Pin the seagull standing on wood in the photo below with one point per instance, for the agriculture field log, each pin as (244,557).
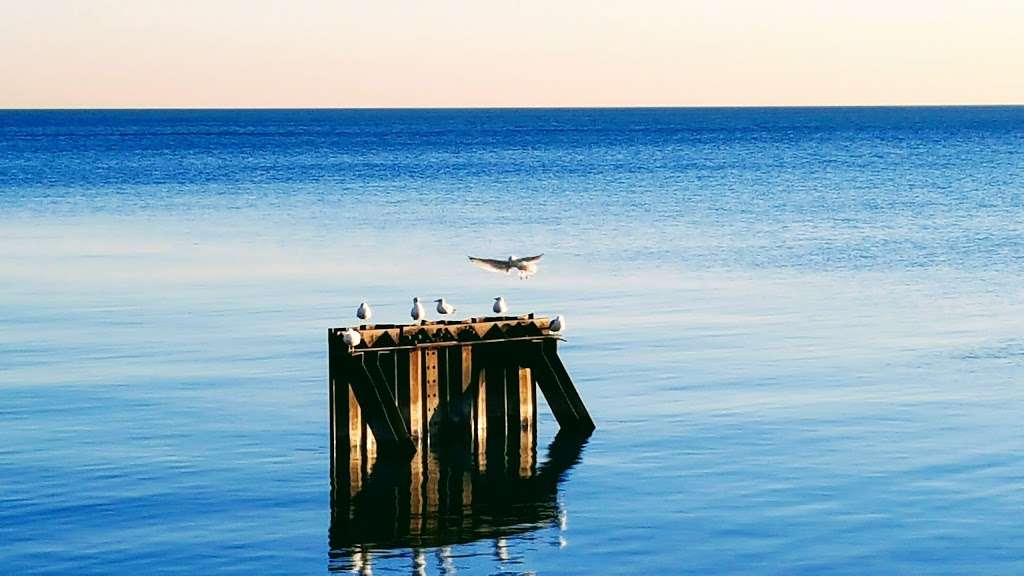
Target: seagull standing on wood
(417,312)
(444,308)
(526,266)
(352,337)
(500,306)
(557,323)
(364,312)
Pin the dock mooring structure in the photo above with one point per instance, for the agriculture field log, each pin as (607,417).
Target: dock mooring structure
(401,387)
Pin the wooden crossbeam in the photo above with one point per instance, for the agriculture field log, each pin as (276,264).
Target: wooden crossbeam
(448,331)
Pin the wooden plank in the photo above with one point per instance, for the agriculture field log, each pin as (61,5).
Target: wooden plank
(431,398)
(496,402)
(332,379)
(415,389)
(527,423)
(451,387)
(355,421)
(512,403)
(402,387)
(467,382)
(480,407)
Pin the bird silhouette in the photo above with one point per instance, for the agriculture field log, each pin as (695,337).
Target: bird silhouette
(527,266)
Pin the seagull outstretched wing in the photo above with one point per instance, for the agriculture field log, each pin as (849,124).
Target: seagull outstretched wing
(526,260)
(490,264)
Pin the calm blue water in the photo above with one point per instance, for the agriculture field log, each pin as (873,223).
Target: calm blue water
(800,331)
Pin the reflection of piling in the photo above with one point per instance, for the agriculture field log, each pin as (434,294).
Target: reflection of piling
(440,498)
(403,387)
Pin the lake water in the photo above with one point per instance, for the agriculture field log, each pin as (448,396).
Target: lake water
(800,331)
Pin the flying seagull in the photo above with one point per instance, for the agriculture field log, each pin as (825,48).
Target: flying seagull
(527,266)
(444,308)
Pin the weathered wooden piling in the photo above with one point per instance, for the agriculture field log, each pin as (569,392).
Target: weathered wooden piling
(405,386)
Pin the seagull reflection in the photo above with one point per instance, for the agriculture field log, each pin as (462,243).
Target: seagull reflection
(442,497)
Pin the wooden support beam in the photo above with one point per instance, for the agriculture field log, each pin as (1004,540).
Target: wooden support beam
(479,385)
(387,364)
(496,402)
(355,420)
(560,394)
(378,405)
(466,396)
(512,405)
(452,400)
(431,397)
(585,422)
(333,372)
(527,422)
(414,408)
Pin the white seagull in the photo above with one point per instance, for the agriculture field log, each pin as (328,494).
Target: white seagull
(500,306)
(352,337)
(364,312)
(526,266)
(444,308)
(557,323)
(417,312)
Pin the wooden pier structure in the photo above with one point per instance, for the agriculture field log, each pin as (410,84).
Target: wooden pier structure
(402,387)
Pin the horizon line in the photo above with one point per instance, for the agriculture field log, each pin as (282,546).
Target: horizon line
(429,108)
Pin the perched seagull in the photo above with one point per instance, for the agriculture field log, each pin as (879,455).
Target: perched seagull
(417,312)
(527,266)
(364,312)
(444,308)
(352,337)
(500,306)
(557,323)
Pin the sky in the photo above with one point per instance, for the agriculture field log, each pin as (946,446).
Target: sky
(443,53)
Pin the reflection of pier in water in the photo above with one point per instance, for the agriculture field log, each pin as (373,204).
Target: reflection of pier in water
(441,498)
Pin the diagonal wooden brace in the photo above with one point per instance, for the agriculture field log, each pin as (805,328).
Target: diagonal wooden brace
(558,389)
(377,403)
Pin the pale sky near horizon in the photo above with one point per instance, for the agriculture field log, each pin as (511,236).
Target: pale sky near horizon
(319,53)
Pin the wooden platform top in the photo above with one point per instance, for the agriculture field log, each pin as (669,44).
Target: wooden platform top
(447,332)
